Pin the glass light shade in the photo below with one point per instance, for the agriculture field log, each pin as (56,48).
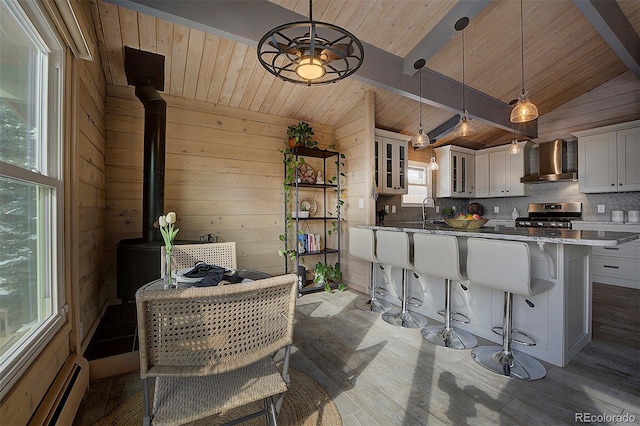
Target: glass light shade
(465,127)
(433,165)
(310,68)
(514,148)
(419,140)
(524,110)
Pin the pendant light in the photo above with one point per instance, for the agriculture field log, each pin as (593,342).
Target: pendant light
(464,127)
(296,52)
(524,110)
(433,165)
(514,148)
(420,139)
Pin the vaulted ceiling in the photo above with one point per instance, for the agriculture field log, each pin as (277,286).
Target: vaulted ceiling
(210,51)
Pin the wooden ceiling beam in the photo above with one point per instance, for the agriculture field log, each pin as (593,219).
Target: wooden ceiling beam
(614,27)
(247,21)
(442,32)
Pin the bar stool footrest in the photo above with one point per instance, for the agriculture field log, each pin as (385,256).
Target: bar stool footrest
(465,319)
(528,342)
(414,302)
(381,291)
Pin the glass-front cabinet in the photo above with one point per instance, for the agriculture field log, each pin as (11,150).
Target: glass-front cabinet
(456,174)
(391,153)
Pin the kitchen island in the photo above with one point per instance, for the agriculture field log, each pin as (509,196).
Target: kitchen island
(559,320)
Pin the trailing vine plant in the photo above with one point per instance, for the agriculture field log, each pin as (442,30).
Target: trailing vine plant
(337,224)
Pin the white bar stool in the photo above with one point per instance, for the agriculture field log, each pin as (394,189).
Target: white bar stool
(439,256)
(506,266)
(362,244)
(393,248)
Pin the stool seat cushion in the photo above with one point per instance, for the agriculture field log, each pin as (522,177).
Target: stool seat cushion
(362,244)
(438,256)
(392,248)
(503,265)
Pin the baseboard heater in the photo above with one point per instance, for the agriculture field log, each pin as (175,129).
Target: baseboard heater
(60,404)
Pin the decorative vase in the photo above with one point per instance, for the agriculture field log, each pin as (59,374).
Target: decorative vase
(170,279)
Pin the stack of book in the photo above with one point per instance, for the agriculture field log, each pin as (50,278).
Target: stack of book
(309,243)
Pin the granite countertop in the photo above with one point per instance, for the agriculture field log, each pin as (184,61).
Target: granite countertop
(499,232)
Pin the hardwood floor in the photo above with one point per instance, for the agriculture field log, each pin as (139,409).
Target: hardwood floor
(383,375)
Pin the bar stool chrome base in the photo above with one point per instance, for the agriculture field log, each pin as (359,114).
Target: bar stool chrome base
(453,338)
(405,319)
(373,305)
(515,364)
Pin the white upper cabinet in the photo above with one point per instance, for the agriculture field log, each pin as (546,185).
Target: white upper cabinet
(498,173)
(456,175)
(608,158)
(392,151)
(482,176)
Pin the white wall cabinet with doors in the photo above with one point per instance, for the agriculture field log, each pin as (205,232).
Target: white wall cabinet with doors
(456,175)
(392,162)
(608,158)
(498,173)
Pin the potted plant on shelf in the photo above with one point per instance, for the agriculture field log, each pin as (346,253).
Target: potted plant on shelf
(327,275)
(301,213)
(300,135)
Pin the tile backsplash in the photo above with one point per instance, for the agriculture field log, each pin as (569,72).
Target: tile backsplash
(548,192)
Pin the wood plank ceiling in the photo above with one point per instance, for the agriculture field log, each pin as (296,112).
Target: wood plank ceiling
(564,58)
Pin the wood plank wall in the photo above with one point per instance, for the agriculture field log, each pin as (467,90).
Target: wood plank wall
(355,138)
(89,187)
(616,101)
(223,174)
(84,140)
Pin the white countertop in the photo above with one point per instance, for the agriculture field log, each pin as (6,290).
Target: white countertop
(541,235)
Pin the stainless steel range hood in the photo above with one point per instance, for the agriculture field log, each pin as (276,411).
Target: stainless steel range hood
(552,164)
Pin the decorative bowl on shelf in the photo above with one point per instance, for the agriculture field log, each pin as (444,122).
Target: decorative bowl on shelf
(466,223)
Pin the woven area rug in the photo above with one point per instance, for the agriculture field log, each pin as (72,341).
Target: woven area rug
(306,403)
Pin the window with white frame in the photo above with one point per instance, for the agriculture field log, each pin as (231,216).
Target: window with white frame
(31,187)
(419,184)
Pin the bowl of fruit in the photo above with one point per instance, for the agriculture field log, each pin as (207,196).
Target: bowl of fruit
(467,221)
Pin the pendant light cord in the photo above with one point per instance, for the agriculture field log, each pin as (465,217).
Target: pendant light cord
(420,97)
(522,45)
(463,104)
(310,10)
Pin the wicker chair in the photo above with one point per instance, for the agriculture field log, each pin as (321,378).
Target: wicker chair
(186,255)
(212,349)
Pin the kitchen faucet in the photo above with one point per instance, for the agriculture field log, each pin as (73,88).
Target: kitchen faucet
(427,200)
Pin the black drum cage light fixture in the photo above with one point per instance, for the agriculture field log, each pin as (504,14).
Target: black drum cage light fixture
(310,52)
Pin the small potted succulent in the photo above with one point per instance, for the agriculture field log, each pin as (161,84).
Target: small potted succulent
(301,213)
(448,212)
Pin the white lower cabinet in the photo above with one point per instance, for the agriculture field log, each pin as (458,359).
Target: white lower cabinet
(615,265)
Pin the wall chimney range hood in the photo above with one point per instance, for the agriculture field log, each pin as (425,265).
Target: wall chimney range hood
(552,164)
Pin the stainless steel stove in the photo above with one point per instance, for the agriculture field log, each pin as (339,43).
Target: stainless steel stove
(550,215)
